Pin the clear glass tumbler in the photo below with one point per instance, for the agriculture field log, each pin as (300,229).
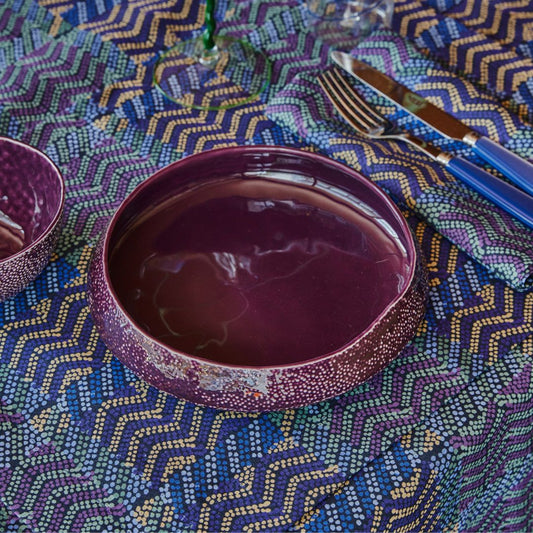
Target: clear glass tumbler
(343,23)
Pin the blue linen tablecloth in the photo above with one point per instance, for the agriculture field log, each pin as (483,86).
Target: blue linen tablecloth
(440,440)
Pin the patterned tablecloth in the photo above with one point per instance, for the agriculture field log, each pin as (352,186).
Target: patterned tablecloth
(440,440)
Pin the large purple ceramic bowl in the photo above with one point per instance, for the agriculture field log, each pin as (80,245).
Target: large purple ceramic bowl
(256,278)
(32,195)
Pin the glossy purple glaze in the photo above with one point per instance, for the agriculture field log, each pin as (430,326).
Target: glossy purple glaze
(240,278)
(31,204)
(253,272)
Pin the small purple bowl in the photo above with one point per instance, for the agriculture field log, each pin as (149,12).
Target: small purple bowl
(256,278)
(32,195)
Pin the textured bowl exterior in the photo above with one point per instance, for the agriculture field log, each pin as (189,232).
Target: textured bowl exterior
(18,271)
(255,389)
(33,189)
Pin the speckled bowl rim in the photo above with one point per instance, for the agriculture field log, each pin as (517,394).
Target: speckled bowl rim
(58,213)
(410,245)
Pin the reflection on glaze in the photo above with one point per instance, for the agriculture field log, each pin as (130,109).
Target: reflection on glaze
(255,272)
(11,236)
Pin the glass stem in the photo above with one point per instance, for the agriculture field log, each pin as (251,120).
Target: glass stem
(210,25)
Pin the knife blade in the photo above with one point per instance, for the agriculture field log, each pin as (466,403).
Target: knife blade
(517,169)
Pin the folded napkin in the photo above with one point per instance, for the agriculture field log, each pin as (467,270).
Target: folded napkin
(486,232)
(492,46)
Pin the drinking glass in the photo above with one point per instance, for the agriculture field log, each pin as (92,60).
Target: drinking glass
(342,23)
(212,71)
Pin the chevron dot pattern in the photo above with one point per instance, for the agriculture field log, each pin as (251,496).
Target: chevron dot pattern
(440,440)
(454,210)
(492,45)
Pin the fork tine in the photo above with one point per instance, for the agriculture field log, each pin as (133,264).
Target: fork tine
(349,104)
(342,105)
(354,97)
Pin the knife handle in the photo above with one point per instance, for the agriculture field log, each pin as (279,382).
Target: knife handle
(517,169)
(508,197)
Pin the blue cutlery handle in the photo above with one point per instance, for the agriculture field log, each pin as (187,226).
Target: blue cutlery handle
(517,169)
(508,197)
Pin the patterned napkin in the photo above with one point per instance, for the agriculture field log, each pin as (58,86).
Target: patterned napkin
(487,233)
(88,446)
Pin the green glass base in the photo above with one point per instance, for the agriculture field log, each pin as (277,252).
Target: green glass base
(231,74)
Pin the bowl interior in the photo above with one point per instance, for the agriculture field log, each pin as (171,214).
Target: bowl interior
(31,193)
(257,256)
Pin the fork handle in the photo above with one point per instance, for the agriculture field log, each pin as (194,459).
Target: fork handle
(510,198)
